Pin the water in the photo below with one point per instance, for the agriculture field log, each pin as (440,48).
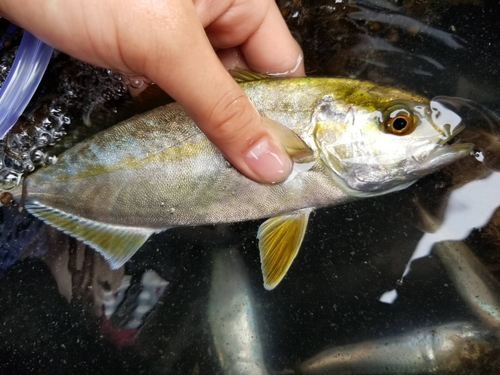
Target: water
(73,101)
(192,301)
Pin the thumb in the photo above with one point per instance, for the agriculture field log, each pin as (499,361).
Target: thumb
(218,105)
(233,124)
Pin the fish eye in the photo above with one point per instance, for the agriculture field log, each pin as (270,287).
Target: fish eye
(399,120)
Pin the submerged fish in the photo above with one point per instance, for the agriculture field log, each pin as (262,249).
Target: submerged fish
(349,138)
(232,317)
(442,349)
(472,280)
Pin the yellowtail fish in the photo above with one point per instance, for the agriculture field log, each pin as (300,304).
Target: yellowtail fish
(349,138)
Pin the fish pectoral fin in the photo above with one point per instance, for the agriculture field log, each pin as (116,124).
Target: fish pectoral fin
(294,146)
(115,243)
(279,242)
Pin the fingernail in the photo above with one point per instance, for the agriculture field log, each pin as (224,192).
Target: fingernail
(268,161)
(291,72)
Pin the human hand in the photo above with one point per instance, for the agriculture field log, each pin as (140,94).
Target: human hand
(172,43)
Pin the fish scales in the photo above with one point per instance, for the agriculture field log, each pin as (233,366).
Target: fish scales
(350,139)
(160,171)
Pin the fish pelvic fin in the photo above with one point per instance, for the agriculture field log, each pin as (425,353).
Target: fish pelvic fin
(115,243)
(279,242)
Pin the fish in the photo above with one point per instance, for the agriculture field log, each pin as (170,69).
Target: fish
(472,280)
(232,316)
(444,348)
(349,139)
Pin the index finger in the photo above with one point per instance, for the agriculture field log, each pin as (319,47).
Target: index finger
(272,47)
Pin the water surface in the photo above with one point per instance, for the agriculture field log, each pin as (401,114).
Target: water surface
(192,301)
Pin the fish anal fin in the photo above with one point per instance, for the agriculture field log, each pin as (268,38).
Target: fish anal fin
(279,242)
(115,243)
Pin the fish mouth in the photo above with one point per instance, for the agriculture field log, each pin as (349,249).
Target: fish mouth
(482,129)
(461,148)
(456,142)
(452,148)
(448,153)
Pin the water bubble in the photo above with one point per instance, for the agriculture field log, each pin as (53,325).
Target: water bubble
(42,140)
(117,76)
(120,88)
(107,94)
(10,180)
(79,91)
(57,135)
(51,159)
(6,61)
(136,82)
(478,154)
(46,123)
(38,157)
(54,111)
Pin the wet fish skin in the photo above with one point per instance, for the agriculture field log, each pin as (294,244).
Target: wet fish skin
(232,316)
(475,284)
(432,349)
(157,170)
(137,172)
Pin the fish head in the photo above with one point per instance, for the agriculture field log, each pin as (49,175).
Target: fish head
(383,146)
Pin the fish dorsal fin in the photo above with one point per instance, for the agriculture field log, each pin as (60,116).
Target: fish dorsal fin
(279,242)
(242,75)
(115,243)
(294,146)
